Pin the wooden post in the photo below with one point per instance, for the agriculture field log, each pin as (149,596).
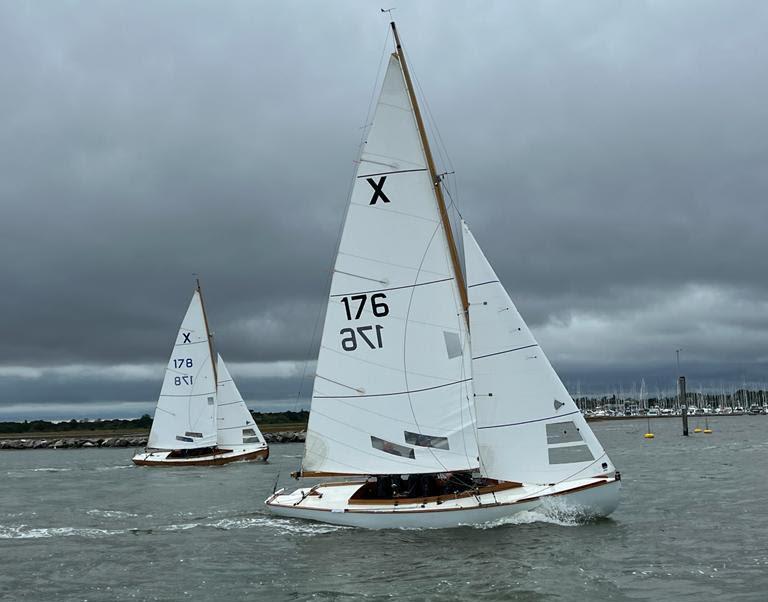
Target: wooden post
(683,403)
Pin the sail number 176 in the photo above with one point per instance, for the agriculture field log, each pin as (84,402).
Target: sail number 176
(370,336)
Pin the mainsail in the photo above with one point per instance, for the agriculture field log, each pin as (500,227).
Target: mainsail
(529,429)
(186,409)
(235,423)
(392,392)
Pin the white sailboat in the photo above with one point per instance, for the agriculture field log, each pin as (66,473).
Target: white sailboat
(196,422)
(431,426)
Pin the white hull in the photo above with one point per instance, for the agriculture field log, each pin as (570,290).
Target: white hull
(222,456)
(330,503)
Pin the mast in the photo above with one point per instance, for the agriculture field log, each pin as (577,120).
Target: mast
(435,179)
(209,336)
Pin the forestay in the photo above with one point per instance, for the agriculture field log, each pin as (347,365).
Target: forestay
(392,392)
(235,423)
(529,429)
(186,410)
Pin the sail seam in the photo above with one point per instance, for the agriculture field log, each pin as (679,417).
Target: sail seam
(388,263)
(496,426)
(394,211)
(390,394)
(479,357)
(387,173)
(393,288)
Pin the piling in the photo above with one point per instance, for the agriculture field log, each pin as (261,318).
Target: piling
(683,403)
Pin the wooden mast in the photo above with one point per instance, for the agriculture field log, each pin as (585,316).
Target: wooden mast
(210,339)
(435,179)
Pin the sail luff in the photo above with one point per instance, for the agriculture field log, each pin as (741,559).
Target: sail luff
(208,333)
(435,179)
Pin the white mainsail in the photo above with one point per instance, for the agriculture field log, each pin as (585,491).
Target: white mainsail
(529,429)
(185,417)
(392,392)
(235,423)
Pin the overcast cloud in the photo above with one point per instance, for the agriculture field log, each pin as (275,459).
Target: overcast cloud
(610,157)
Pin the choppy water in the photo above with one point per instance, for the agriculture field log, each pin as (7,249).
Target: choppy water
(87,525)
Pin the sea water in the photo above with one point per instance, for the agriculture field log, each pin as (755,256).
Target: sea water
(88,525)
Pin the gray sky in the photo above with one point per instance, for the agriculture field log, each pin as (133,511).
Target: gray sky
(610,157)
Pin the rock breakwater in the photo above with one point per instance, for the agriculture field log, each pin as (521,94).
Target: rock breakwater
(120,441)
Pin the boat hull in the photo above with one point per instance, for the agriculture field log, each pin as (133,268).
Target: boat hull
(330,503)
(160,457)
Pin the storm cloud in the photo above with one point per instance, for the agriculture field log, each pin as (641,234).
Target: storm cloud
(609,156)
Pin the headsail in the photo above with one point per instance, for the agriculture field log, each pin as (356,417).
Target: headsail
(529,429)
(235,423)
(392,392)
(186,410)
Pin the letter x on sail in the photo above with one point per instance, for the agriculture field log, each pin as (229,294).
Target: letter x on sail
(378,190)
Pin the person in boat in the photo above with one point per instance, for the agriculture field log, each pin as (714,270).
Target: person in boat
(384,487)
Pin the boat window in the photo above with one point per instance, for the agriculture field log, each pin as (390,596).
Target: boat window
(426,440)
(210,401)
(570,454)
(188,434)
(563,432)
(247,432)
(452,344)
(392,448)
(251,440)
(185,439)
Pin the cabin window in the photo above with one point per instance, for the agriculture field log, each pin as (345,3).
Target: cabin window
(185,439)
(392,448)
(563,432)
(426,440)
(210,401)
(247,432)
(198,435)
(452,344)
(570,454)
(251,440)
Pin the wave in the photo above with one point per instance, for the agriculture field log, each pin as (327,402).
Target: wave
(26,532)
(284,525)
(110,513)
(527,517)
